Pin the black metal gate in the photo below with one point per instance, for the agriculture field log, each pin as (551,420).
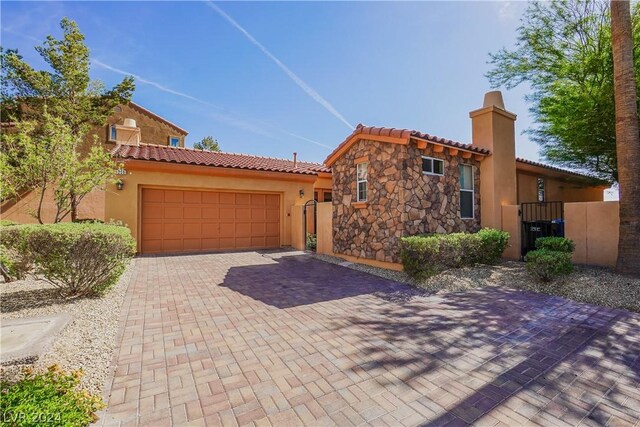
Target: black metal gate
(540,219)
(310,225)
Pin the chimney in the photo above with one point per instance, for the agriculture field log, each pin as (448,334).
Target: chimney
(295,159)
(493,128)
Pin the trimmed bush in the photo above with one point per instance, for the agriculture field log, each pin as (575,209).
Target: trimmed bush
(51,398)
(555,244)
(492,245)
(79,259)
(423,256)
(7,222)
(547,265)
(13,264)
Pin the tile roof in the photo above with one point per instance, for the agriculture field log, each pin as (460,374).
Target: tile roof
(163,153)
(556,169)
(404,133)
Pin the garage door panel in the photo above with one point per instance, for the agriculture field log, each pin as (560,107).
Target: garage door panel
(227,198)
(151,195)
(192,212)
(243,214)
(192,197)
(191,221)
(172,212)
(173,196)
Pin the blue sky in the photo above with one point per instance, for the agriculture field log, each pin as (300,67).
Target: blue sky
(397,64)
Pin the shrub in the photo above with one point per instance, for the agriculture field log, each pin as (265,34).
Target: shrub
(312,241)
(7,222)
(547,265)
(492,245)
(423,256)
(51,398)
(555,244)
(13,264)
(79,259)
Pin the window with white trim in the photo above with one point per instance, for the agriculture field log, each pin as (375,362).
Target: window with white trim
(361,178)
(431,166)
(541,194)
(174,141)
(466,191)
(113,133)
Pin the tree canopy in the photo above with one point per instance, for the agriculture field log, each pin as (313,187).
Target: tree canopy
(66,89)
(208,143)
(563,52)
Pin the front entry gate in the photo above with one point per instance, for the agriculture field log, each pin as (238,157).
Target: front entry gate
(310,217)
(540,219)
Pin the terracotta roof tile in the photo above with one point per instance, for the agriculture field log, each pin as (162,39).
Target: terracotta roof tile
(553,168)
(405,133)
(163,153)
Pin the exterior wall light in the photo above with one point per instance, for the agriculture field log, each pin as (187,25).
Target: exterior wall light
(119,184)
(301,193)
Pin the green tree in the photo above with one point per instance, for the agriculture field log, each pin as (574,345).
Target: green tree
(65,92)
(46,157)
(563,52)
(208,143)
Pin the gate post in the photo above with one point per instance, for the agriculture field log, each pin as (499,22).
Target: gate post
(511,223)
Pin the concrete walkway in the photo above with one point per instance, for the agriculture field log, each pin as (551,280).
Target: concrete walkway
(285,339)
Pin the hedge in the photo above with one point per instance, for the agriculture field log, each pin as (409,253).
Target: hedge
(423,256)
(555,244)
(79,259)
(546,265)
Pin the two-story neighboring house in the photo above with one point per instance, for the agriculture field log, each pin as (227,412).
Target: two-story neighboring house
(129,124)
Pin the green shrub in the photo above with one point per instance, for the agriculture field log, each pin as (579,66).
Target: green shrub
(423,256)
(51,398)
(555,244)
(79,259)
(7,222)
(547,265)
(312,241)
(13,264)
(492,245)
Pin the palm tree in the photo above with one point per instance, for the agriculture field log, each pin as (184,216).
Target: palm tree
(627,138)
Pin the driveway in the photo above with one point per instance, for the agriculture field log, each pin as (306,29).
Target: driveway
(285,339)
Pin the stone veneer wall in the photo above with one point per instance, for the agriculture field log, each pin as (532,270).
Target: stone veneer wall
(402,200)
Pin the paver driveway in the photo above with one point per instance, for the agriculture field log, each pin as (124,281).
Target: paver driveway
(242,338)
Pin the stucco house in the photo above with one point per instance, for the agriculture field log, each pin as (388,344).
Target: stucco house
(380,184)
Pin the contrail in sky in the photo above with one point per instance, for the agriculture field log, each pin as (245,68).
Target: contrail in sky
(221,117)
(297,80)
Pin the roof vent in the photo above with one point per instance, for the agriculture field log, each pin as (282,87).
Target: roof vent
(295,159)
(130,123)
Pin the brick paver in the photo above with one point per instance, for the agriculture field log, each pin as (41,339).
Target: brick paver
(285,339)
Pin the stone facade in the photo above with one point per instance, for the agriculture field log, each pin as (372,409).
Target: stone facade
(401,200)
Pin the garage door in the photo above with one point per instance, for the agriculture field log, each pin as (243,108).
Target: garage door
(191,221)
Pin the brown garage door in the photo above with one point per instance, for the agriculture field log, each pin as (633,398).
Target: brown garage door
(191,221)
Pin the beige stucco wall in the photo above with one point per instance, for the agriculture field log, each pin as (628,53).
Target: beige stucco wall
(593,226)
(297,227)
(555,190)
(325,228)
(511,224)
(91,207)
(124,205)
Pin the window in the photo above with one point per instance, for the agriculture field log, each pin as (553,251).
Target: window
(174,141)
(466,191)
(315,196)
(541,189)
(362,181)
(113,133)
(327,196)
(431,166)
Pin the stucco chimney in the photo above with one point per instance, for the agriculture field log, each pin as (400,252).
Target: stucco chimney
(295,159)
(493,128)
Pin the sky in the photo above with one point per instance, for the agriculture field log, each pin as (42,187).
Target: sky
(271,78)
